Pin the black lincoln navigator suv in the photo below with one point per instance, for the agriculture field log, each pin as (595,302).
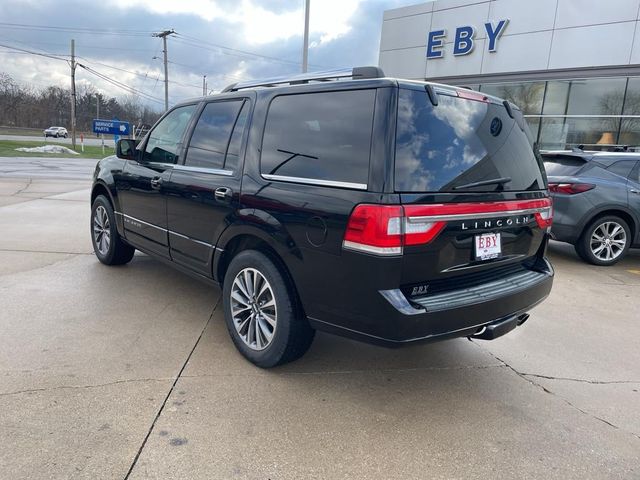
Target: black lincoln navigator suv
(389,211)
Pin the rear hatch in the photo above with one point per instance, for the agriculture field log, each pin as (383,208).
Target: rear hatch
(472,188)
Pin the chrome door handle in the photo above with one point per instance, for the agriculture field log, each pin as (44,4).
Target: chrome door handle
(156,183)
(633,190)
(223,193)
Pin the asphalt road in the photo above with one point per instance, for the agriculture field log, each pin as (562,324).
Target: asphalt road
(128,372)
(36,167)
(108,139)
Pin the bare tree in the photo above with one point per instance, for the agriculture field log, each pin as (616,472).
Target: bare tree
(24,106)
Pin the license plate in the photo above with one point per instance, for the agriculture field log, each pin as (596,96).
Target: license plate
(488,246)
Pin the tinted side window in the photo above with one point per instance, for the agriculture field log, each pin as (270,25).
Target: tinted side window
(622,167)
(235,144)
(320,136)
(210,138)
(166,138)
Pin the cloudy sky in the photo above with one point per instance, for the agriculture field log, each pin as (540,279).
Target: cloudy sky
(226,40)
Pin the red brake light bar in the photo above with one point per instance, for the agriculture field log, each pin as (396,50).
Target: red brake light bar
(471,95)
(385,229)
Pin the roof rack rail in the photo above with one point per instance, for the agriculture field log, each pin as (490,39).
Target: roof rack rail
(324,76)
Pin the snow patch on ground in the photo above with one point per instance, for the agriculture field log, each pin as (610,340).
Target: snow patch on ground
(48,149)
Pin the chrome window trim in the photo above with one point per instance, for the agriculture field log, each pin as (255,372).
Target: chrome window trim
(474,216)
(214,171)
(316,181)
(157,164)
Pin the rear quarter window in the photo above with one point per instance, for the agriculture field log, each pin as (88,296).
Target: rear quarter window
(558,165)
(622,167)
(322,136)
(460,141)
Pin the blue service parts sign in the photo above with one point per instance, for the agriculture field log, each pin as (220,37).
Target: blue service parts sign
(111,127)
(464,39)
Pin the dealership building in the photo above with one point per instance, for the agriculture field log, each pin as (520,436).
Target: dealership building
(573,66)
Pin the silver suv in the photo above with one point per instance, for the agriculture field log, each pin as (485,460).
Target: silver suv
(56,132)
(596,202)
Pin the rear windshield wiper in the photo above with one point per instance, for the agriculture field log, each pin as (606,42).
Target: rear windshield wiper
(491,181)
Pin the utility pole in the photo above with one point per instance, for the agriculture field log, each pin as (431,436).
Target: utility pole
(73,93)
(305,48)
(163,35)
(204,85)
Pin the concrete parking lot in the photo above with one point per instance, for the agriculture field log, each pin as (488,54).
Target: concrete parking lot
(128,372)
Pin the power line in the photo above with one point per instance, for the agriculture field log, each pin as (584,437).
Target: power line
(198,42)
(234,52)
(121,85)
(48,55)
(80,30)
(107,79)
(148,69)
(204,68)
(86,47)
(145,75)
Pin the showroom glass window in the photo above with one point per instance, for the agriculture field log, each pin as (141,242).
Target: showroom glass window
(319,136)
(630,127)
(165,139)
(600,96)
(526,95)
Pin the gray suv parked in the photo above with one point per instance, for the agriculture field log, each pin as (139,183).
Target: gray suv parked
(596,201)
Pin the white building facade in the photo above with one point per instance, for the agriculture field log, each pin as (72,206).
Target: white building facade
(573,66)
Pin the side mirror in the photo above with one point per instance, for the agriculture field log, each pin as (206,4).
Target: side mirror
(126,149)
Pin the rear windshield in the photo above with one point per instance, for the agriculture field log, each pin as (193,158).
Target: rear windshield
(459,142)
(562,165)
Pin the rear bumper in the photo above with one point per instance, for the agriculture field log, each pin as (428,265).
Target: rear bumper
(397,321)
(565,233)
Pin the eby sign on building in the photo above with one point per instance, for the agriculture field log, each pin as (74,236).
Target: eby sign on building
(463,42)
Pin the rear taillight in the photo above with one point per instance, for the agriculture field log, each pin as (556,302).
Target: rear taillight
(570,188)
(385,229)
(375,229)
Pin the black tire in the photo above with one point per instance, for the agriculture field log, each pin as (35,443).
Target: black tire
(291,336)
(110,249)
(65,135)
(57,135)
(587,246)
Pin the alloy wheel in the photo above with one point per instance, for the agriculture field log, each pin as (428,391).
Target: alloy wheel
(101,230)
(253,309)
(608,241)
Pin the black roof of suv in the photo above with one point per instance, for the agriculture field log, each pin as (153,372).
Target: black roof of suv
(390,211)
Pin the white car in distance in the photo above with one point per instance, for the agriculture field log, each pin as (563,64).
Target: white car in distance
(56,132)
